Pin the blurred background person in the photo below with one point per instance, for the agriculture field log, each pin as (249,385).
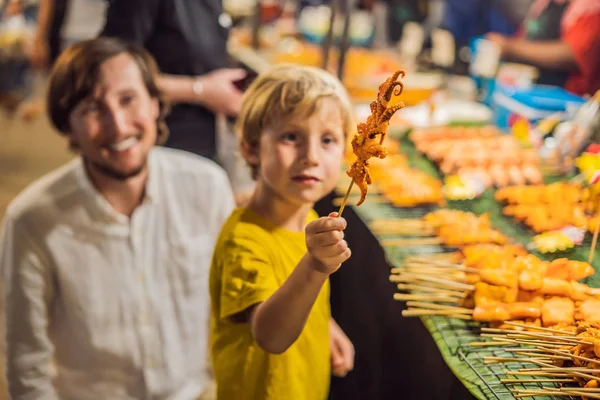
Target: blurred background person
(562,39)
(63,22)
(188,39)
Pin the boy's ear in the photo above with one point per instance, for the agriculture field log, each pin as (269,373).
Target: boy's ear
(250,153)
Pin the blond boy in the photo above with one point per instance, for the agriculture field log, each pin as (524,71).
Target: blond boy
(272,332)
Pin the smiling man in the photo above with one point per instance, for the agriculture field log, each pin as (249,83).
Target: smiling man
(105,260)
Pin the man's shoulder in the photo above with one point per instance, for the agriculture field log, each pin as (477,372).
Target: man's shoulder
(45,193)
(182,163)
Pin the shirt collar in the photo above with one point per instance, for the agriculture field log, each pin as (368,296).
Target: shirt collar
(101,207)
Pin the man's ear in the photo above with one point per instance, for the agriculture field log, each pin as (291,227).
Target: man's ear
(73,144)
(250,153)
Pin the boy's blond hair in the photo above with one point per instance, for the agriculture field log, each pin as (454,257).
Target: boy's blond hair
(283,92)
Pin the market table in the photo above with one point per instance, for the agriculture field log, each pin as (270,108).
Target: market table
(452,336)
(396,357)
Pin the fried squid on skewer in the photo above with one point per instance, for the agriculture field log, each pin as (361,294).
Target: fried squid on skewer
(369,138)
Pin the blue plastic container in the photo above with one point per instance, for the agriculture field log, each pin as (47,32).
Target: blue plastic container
(510,104)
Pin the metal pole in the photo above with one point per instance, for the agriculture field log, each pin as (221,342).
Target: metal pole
(345,44)
(256,26)
(327,43)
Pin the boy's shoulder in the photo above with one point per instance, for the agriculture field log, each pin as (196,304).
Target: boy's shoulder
(244,224)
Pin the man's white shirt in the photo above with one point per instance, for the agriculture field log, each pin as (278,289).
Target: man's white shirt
(121,304)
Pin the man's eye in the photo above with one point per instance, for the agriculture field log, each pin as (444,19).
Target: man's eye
(127,100)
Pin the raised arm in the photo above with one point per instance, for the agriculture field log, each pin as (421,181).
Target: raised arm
(28,293)
(277,322)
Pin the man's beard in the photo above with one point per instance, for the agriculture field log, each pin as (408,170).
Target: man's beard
(114,174)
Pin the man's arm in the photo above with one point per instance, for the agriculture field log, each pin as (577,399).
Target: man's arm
(215,91)
(28,293)
(135,21)
(277,322)
(555,54)
(40,54)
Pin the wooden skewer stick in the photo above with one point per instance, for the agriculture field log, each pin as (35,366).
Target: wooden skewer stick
(568,340)
(580,389)
(446,282)
(424,297)
(549,392)
(429,289)
(434,306)
(543,380)
(595,237)
(441,264)
(345,198)
(526,334)
(498,360)
(538,328)
(413,281)
(421,313)
(482,344)
(410,242)
(571,355)
(520,341)
(535,373)
(403,231)
(573,369)
(398,222)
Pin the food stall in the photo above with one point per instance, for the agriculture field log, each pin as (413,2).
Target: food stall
(485,215)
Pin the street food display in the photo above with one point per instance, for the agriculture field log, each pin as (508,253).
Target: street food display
(476,231)
(368,141)
(481,152)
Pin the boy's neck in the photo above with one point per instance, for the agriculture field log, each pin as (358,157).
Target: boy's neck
(278,210)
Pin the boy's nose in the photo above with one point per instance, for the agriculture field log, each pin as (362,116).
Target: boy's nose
(311,156)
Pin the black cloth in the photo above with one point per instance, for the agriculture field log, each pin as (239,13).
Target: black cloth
(59,13)
(396,357)
(185,38)
(546,27)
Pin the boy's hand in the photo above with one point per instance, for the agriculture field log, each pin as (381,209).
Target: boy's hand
(326,244)
(342,350)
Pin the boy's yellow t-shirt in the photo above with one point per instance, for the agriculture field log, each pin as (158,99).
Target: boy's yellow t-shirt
(253,257)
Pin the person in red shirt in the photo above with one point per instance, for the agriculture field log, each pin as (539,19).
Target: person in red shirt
(562,39)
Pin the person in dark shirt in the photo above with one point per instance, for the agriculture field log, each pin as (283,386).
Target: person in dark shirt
(188,39)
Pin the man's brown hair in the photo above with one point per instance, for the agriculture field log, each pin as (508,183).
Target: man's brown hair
(75,76)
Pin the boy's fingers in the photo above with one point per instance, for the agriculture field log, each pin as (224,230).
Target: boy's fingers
(329,238)
(335,250)
(326,224)
(333,215)
(324,239)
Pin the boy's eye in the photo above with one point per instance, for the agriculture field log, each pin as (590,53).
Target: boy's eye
(329,139)
(289,137)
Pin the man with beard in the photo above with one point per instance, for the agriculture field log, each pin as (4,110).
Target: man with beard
(105,261)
